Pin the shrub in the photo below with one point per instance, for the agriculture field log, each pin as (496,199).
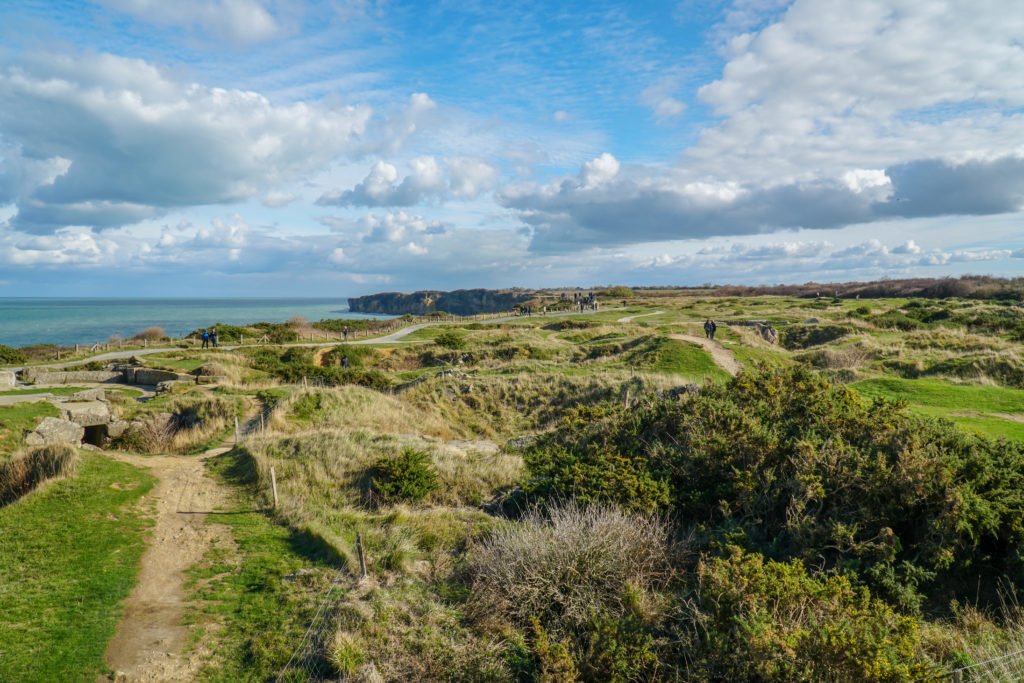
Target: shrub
(796,467)
(751,620)
(11,356)
(24,472)
(896,320)
(450,340)
(153,333)
(806,336)
(410,477)
(564,566)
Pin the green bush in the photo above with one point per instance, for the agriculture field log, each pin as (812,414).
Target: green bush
(11,356)
(409,477)
(751,620)
(806,336)
(896,320)
(450,340)
(795,467)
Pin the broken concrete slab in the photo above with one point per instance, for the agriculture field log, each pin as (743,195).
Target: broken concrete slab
(86,413)
(53,430)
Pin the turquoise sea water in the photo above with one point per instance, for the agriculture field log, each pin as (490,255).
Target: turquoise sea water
(25,321)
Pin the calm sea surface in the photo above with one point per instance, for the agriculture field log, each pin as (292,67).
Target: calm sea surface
(87,321)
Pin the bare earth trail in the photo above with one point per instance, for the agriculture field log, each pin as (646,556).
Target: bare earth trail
(722,356)
(151,640)
(631,318)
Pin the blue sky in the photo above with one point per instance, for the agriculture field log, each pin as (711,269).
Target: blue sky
(301,147)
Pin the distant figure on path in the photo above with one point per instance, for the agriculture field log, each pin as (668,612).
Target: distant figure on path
(206,339)
(344,361)
(344,334)
(710,327)
(213,337)
(707,328)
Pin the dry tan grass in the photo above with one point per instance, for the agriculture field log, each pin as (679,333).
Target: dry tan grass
(566,564)
(25,471)
(352,407)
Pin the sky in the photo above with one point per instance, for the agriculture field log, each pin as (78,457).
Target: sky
(340,147)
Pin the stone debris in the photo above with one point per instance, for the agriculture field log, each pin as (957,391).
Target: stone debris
(54,430)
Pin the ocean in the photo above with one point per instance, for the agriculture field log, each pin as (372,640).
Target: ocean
(25,321)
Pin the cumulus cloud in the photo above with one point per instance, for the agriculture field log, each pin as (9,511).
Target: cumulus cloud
(830,85)
(131,142)
(397,227)
(238,21)
(647,205)
(460,177)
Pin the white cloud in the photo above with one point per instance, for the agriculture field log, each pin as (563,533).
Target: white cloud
(908,247)
(275,199)
(599,171)
(238,21)
(460,177)
(133,143)
(560,116)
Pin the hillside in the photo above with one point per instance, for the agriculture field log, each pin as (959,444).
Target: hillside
(593,496)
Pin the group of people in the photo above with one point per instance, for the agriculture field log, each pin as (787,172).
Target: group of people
(710,328)
(585,302)
(210,338)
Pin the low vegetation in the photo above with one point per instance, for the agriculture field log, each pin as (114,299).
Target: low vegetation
(69,554)
(25,471)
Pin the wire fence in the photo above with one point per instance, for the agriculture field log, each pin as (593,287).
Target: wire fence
(1008,668)
(309,660)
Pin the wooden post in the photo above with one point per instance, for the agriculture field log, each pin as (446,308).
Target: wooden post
(262,425)
(304,385)
(625,402)
(362,558)
(273,485)
(76,348)
(236,429)
(958,677)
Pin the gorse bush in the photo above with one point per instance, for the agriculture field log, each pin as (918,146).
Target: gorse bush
(450,340)
(806,336)
(794,467)
(409,477)
(751,620)
(11,356)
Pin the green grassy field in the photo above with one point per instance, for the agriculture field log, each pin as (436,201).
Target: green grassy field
(973,407)
(16,419)
(69,554)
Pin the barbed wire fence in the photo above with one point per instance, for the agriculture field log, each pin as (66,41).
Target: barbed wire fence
(1008,668)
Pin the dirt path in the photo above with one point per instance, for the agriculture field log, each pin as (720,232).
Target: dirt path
(631,318)
(722,356)
(152,640)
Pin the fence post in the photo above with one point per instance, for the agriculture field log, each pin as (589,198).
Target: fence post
(273,485)
(362,558)
(262,425)
(958,677)
(236,429)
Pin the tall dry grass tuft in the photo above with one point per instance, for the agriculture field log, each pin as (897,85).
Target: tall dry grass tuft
(24,472)
(563,566)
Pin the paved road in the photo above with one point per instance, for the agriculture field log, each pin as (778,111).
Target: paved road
(386,339)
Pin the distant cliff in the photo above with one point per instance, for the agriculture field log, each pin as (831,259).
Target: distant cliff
(459,302)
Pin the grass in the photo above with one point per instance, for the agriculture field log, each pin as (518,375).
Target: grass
(975,408)
(61,607)
(55,391)
(255,593)
(17,419)
(671,356)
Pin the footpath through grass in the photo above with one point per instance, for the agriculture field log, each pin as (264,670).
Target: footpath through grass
(69,554)
(261,594)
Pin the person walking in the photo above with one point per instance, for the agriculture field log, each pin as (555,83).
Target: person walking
(213,337)
(714,328)
(206,339)
(344,333)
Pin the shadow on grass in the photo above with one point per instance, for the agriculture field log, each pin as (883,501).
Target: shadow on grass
(238,468)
